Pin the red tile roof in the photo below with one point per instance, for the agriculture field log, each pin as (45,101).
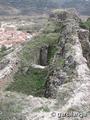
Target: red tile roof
(8,36)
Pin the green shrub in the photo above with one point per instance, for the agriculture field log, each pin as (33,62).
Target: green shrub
(3,52)
(85,25)
(31,83)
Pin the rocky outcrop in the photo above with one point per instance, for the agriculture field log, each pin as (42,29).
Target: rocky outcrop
(64,59)
(85,43)
(69,82)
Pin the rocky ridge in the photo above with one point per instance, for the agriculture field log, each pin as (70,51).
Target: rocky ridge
(11,41)
(68,84)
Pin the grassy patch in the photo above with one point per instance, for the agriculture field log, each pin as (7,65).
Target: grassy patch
(2,52)
(30,53)
(49,36)
(51,53)
(53,27)
(85,25)
(32,82)
(44,109)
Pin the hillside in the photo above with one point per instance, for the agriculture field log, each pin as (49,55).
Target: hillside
(26,7)
(52,79)
(29,7)
(83,6)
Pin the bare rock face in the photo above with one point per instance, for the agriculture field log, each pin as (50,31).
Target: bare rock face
(85,43)
(64,59)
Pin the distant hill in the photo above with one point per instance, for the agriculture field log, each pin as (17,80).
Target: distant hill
(27,7)
(83,6)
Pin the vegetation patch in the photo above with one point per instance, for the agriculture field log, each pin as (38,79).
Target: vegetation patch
(51,52)
(29,80)
(2,52)
(85,25)
(44,109)
(49,36)
(30,83)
